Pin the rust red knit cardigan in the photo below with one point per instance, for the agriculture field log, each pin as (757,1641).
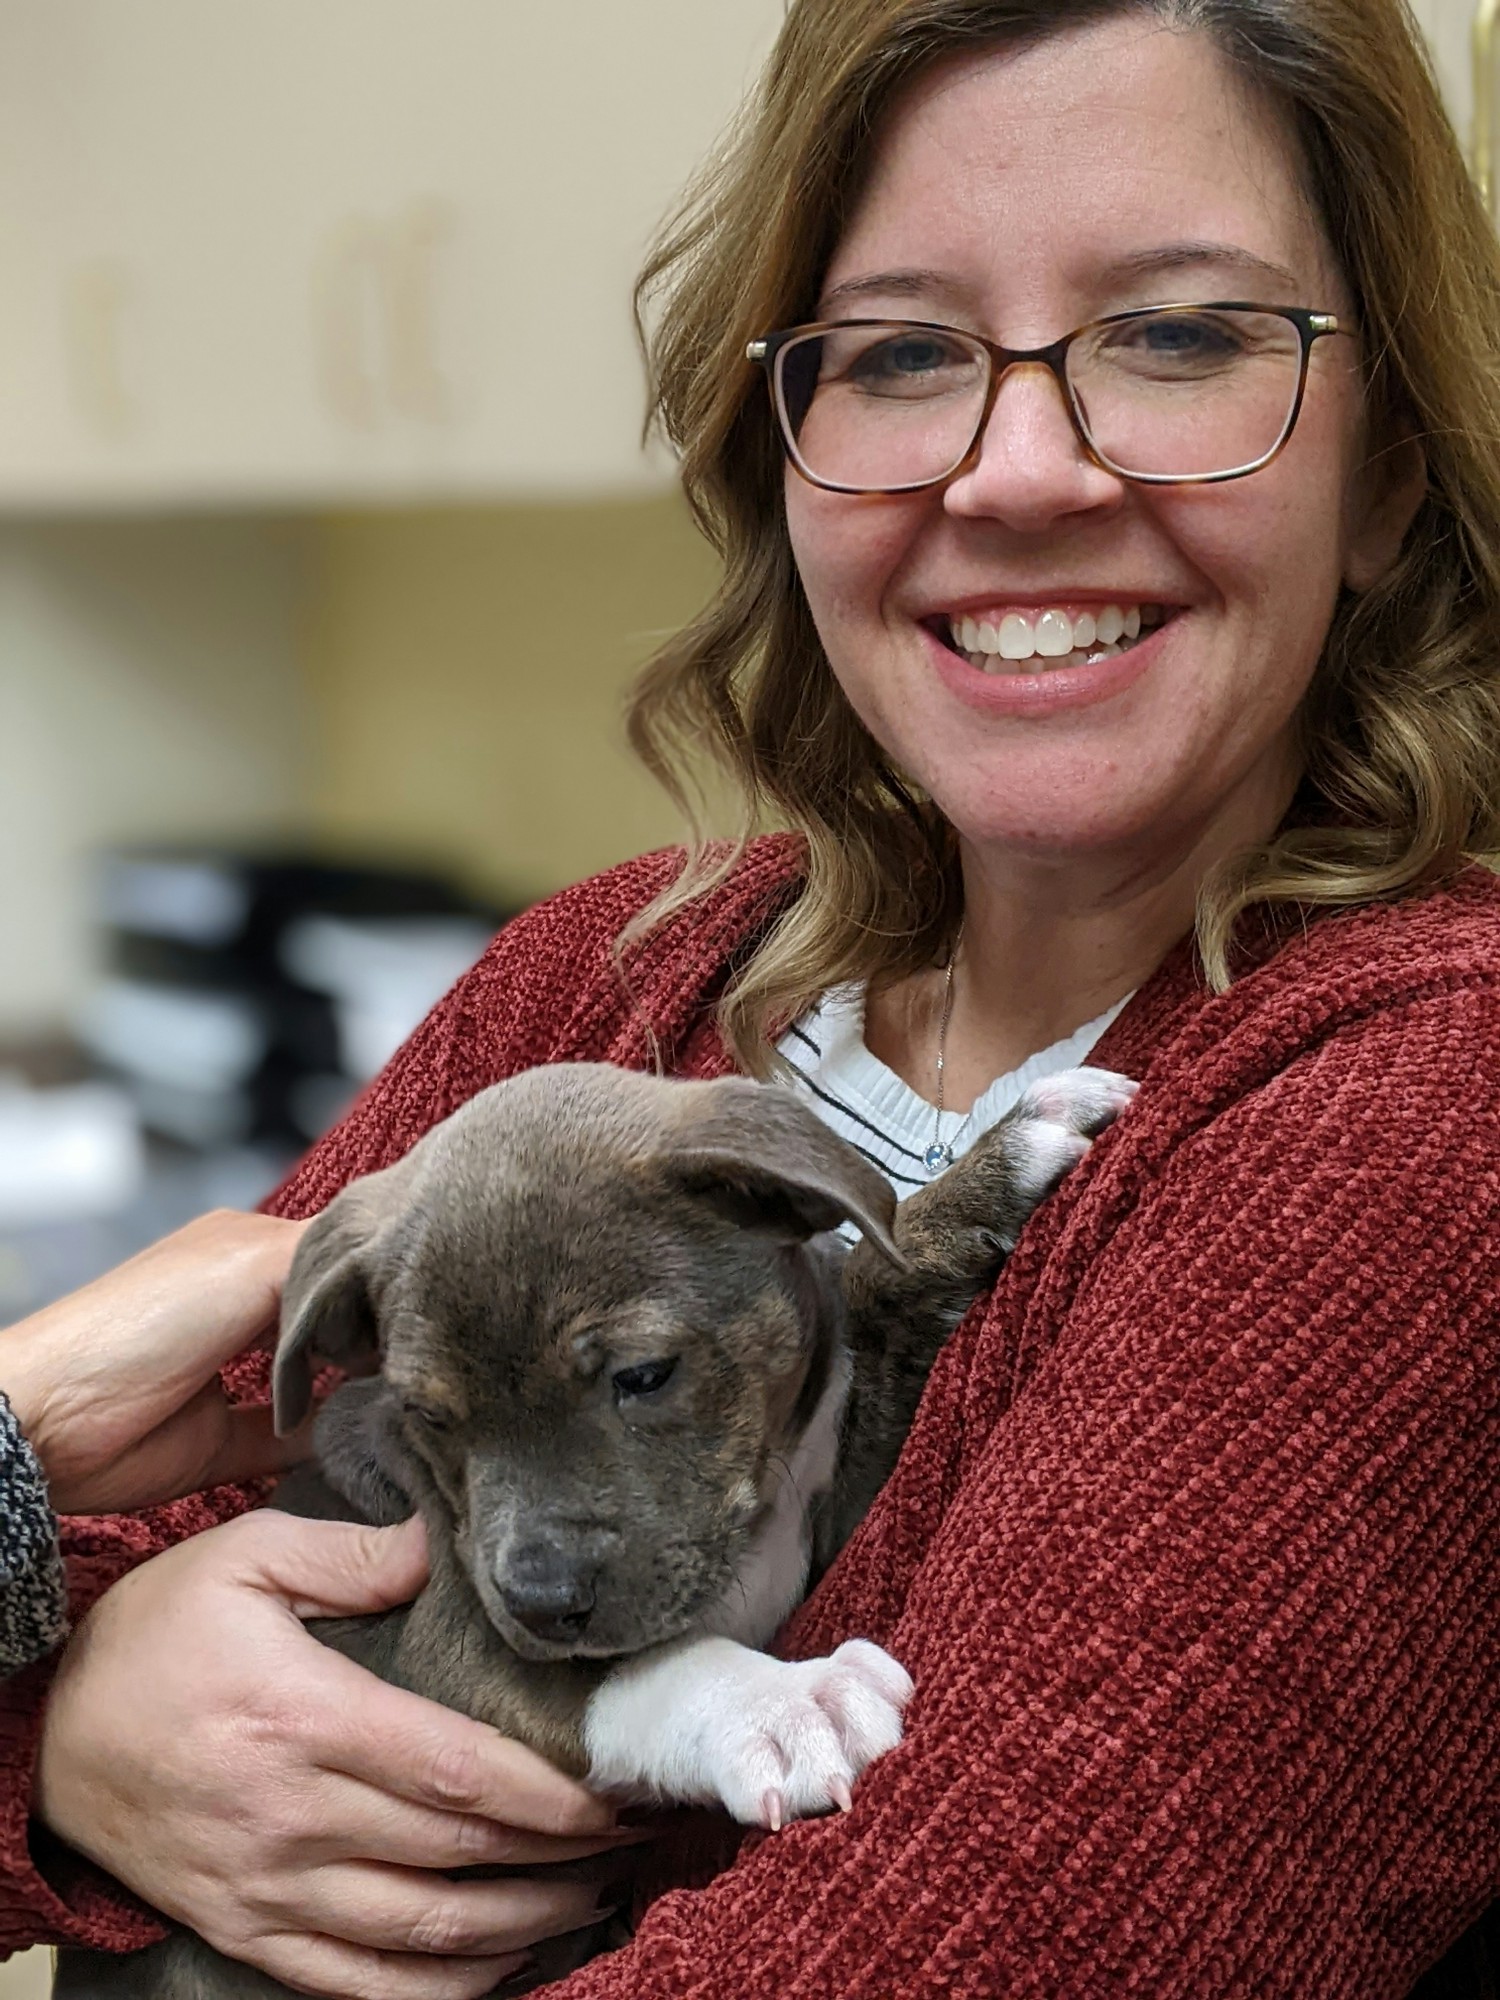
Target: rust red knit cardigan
(1192,1551)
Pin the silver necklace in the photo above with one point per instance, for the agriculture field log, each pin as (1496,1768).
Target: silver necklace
(940,1153)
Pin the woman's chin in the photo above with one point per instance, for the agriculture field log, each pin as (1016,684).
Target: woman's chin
(1040,810)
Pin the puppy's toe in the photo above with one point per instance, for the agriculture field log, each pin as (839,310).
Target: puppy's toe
(874,1665)
(861,1691)
(781,1757)
(865,1691)
(820,1773)
(1039,1151)
(1084,1101)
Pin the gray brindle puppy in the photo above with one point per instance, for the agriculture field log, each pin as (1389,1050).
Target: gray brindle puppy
(642,1394)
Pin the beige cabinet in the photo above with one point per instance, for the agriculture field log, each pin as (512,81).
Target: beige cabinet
(272,251)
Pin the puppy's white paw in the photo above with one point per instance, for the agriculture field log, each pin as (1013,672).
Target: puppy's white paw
(707,1721)
(789,1738)
(1056,1121)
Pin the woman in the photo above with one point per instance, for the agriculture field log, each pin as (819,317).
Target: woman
(1189,1551)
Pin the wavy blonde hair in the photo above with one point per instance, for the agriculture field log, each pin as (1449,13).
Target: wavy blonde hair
(1401,725)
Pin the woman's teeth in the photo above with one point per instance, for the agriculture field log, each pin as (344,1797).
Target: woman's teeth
(1052,638)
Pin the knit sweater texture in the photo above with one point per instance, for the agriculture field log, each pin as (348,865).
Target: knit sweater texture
(33,1603)
(1191,1551)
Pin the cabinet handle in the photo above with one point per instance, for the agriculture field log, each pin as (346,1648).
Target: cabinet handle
(374,317)
(417,384)
(346,300)
(95,296)
(1485,16)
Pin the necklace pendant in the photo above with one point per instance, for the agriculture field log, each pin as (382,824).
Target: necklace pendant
(937,1157)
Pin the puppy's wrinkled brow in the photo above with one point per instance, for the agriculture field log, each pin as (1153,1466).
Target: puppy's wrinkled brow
(586,1348)
(637,1333)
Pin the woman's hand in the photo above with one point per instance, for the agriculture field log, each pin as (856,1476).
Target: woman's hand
(116,1386)
(291,1808)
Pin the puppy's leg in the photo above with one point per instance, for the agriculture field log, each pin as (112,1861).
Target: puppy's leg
(958,1231)
(954,1234)
(708,1722)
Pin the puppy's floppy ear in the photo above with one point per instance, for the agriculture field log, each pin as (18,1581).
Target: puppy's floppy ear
(763,1157)
(361,1454)
(325,1308)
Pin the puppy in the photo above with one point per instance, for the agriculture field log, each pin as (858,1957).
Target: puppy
(642,1394)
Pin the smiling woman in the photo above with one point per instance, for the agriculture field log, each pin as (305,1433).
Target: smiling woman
(1111,604)
(1109,159)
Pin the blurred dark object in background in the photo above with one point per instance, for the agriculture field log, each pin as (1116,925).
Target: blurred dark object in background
(244,1002)
(248,997)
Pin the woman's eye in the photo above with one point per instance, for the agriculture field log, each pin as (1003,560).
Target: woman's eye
(642,1380)
(1191,342)
(896,361)
(1171,336)
(913,357)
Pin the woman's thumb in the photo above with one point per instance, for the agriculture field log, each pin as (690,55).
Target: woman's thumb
(336,1569)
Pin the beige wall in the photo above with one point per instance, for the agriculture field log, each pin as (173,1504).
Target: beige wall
(149,690)
(440,686)
(465,669)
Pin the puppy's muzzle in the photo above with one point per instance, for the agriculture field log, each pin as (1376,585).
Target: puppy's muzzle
(547,1592)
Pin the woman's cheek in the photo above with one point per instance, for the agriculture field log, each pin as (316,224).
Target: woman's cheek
(847,550)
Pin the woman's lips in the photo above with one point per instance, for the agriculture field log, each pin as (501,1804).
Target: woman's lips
(1048,692)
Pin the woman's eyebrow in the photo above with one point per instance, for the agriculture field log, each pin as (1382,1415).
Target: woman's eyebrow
(1192,255)
(907,284)
(1160,259)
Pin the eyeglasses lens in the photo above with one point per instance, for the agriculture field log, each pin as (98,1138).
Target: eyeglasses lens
(1175,394)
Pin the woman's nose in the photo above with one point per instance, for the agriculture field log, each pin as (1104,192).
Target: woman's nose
(1030,466)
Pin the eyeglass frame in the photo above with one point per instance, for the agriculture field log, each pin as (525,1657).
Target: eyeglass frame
(1311,326)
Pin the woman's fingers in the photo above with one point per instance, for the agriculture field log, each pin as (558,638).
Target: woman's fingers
(239,1262)
(408,1910)
(444,1761)
(205,1443)
(248,1447)
(394,1740)
(328,1569)
(414,1836)
(323,1965)
(109,1383)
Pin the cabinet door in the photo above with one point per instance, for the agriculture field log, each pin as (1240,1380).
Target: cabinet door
(261,250)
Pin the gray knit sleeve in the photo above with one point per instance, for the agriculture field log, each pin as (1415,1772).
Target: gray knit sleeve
(33,1598)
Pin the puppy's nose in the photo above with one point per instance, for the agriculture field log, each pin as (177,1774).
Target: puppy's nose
(551,1596)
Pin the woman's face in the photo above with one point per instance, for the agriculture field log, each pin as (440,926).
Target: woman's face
(1018,195)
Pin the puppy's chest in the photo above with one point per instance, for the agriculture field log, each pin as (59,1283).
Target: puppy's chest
(772,1579)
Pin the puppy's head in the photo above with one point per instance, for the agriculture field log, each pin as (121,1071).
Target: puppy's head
(598,1318)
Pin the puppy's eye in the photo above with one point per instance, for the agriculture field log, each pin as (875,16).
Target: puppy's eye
(428,1417)
(644,1379)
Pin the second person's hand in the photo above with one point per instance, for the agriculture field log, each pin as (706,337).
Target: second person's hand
(116,1386)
